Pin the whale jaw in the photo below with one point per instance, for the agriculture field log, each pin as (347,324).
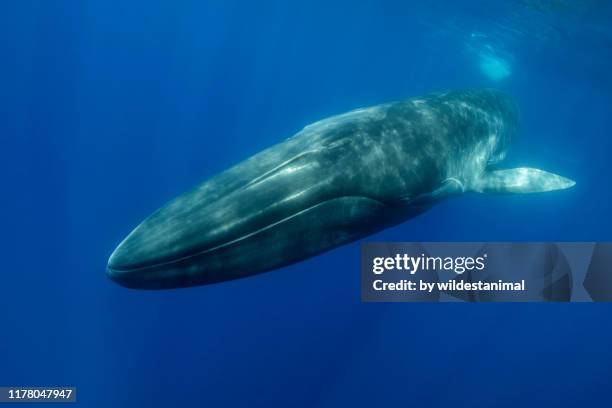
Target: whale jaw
(309,232)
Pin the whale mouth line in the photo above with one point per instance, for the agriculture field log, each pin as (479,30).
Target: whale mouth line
(117,271)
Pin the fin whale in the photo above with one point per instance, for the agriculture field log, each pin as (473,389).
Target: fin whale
(336,181)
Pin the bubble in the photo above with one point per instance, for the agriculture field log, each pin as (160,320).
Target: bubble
(494,67)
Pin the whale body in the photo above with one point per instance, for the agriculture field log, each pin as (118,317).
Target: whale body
(336,181)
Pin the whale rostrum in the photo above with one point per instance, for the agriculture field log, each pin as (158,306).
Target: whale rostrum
(336,181)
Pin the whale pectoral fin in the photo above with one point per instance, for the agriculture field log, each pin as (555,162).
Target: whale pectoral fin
(521,180)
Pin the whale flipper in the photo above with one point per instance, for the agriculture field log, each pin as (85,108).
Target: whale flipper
(521,180)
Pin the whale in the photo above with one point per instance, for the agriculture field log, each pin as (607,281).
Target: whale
(336,181)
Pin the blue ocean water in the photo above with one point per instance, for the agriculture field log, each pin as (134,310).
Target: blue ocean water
(110,108)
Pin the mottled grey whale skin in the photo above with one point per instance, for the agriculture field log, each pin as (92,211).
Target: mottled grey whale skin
(334,182)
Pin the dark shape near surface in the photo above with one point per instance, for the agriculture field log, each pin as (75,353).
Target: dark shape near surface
(334,182)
